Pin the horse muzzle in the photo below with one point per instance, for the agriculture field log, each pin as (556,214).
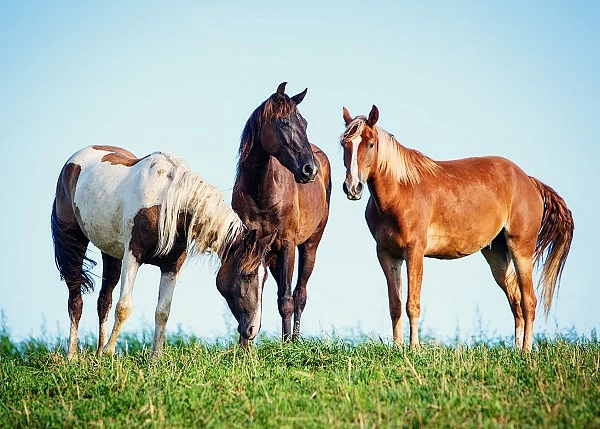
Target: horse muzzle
(354,192)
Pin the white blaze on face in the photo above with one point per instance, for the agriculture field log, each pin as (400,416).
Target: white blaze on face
(255,323)
(354,179)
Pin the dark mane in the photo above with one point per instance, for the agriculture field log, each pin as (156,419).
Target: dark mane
(274,107)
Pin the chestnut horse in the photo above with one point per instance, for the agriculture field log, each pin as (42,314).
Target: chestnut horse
(449,209)
(283,185)
(150,210)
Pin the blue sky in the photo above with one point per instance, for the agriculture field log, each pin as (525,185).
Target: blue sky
(450,79)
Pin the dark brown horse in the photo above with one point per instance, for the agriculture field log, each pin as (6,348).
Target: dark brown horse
(150,210)
(449,209)
(283,185)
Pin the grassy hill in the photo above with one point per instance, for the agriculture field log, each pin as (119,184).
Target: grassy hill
(311,383)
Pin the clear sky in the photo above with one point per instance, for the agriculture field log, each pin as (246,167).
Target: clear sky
(451,79)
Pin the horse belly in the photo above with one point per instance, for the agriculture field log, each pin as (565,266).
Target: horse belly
(453,243)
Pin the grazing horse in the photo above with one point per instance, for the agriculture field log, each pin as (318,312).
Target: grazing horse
(283,184)
(449,209)
(150,210)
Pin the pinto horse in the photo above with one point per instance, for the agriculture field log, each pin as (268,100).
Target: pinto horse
(150,210)
(283,185)
(449,209)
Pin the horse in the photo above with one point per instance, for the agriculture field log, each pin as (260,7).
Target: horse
(283,185)
(151,210)
(449,209)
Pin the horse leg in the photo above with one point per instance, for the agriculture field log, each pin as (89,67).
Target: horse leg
(168,279)
(129,269)
(521,252)
(283,271)
(498,258)
(307,254)
(391,268)
(111,272)
(414,268)
(75,310)
(70,246)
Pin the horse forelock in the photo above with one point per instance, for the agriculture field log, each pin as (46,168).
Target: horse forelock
(249,258)
(354,129)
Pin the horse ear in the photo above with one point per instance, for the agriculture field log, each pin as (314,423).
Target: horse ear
(267,241)
(281,89)
(347,116)
(250,238)
(299,97)
(373,116)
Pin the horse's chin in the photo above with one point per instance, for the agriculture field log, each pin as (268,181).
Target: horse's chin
(354,197)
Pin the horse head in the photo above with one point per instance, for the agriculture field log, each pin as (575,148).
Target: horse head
(241,279)
(283,135)
(359,143)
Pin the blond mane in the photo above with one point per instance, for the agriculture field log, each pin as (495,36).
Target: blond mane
(212,226)
(404,164)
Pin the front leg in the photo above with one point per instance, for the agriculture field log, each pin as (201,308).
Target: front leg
(414,267)
(129,269)
(283,271)
(391,268)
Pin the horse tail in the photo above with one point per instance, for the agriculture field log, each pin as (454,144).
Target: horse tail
(553,242)
(70,247)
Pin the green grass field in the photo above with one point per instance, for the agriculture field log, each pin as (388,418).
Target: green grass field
(311,383)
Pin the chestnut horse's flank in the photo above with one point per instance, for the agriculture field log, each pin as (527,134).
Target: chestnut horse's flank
(449,209)
(151,210)
(283,184)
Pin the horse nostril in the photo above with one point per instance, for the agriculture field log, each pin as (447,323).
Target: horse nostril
(308,169)
(249,331)
(345,188)
(359,188)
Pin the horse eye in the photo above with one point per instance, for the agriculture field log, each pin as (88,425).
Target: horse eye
(285,122)
(246,276)
(372,144)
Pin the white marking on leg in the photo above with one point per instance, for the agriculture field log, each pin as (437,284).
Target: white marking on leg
(72,341)
(129,271)
(163,308)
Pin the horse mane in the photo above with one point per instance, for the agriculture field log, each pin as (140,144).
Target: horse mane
(213,226)
(274,107)
(405,164)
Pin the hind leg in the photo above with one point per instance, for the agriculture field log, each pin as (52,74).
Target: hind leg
(521,250)
(307,254)
(111,272)
(498,258)
(75,310)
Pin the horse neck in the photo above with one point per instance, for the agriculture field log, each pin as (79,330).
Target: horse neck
(257,174)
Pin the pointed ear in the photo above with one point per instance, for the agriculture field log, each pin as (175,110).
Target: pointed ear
(267,241)
(347,116)
(373,116)
(250,239)
(299,97)
(281,89)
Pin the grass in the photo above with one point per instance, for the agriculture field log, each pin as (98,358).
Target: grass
(311,383)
